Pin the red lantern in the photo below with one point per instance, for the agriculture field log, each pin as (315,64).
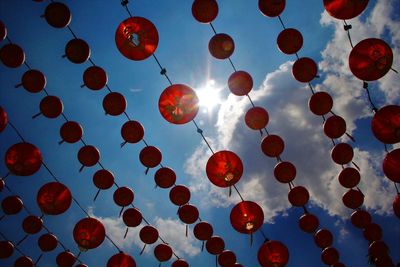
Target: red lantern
(330,256)
(81,265)
(391,165)
(338,264)
(372,232)
(349,177)
(103,179)
(123,196)
(71,132)
(215,245)
(33,81)
(304,69)
(272,145)
(121,259)
(378,249)
(298,196)
(89,233)
(47,242)
(240,83)
(188,214)
(335,127)
(6,249)
(54,198)
(285,172)
(290,41)
(226,258)
(165,177)
(57,15)
(88,156)
(323,238)
(32,224)
(132,217)
(205,11)
(385,124)
(224,168)
(178,104)
(308,223)
(353,199)
(150,156)
(77,51)
(136,38)
(23,261)
(12,55)
(246,217)
(179,195)
(162,252)
(361,219)
(114,104)
(51,107)
(273,253)
(396,205)
(221,46)
(342,153)
(256,118)
(148,234)
(95,78)
(2,184)
(23,159)
(180,263)
(384,261)
(65,259)
(132,132)
(203,231)
(271,8)
(345,9)
(3,119)
(3,31)
(320,103)
(11,205)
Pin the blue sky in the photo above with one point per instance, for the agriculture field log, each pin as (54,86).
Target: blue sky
(183,51)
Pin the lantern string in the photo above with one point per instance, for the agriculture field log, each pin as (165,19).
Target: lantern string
(15,246)
(397,189)
(233,66)
(347,28)
(163,70)
(365,86)
(234,186)
(72,32)
(213,29)
(281,21)
(394,70)
(16,131)
(38,259)
(200,131)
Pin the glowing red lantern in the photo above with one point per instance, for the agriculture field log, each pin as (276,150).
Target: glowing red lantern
(180,263)
(188,213)
(372,232)
(256,118)
(396,205)
(33,81)
(3,31)
(215,245)
(71,132)
(349,177)
(57,15)
(323,238)
(335,127)
(361,219)
(221,46)
(162,252)
(298,196)
(12,55)
(51,107)
(114,104)
(6,249)
(54,198)
(95,78)
(240,83)
(132,132)
(378,249)
(342,153)
(304,69)
(23,261)
(165,177)
(353,199)
(179,195)
(47,242)
(385,124)
(32,224)
(88,156)
(226,258)
(203,231)
(345,9)
(285,172)
(136,38)
(11,205)
(65,259)
(320,103)
(23,159)
(224,168)
(308,223)
(205,11)
(391,165)
(103,179)
(150,157)
(77,51)
(89,233)
(273,253)
(132,217)
(272,145)
(330,256)
(271,8)
(290,41)
(121,259)
(178,104)
(148,234)
(3,119)
(246,217)
(123,196)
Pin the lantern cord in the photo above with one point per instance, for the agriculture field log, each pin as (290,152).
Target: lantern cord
(112,242)
(263,234)
(72,32)
(365,86)
(281,21)
(394,70)
(213,29)
(125,3)
(200,131)
(7,174)
(126,232)
(187,228)
(216,261)
(230,61)
(230,191)
(202,246)
(234,186)
(120,213)
(251,239)
(397,189)
(141,252)
(251,101)
(108,88)
(355,165)
(163,70)
(311,88)
(333,142)
(386,148)
(351,137)
(97,194)
(22,240)
(297,55)
(16,248)
(38,259)
(127,116)
(16,131)
(347,28)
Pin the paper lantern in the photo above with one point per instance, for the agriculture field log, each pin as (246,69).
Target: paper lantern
(285,172)
(271,8)
(88,156)
(57,15)
(372,232)
(272,145)
(353,199)
(224,168)
(188,213)
(95,78)
(103,179)
(32,224)
(273,253)
(132,132)
(23,159)
(150,156)
(320,103)
(132,217)
(290,41)
(396,205)
(11,205)
(65,259)
(205,11)
(114,104)
(162,252)
(391,165)
(361,219)
(33,81)
(221,46)
(12,55)
(256,118)
(308,223)
(215,245)
(3,31)
(23,261)
(345,9)
(77,51)
(6,249)
(71,132)
(330,256)
(227,258)
(3,119)
(180,263)
(89,233)
(121,260)
(47,242)
(240,83)
(349,177)
(385,124)
(203,231)
(335,127)
(246,217)
(323,238)
(123,196)
(304,69)
(342,153)
(179,195)
(165,177)
(298,196)
(51,107)
(148,234)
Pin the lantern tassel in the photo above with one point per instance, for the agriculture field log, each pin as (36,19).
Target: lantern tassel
(187,230)
(230,191)
(202,246)
(18,85)
(60,142)
(351,137)
(141,252)
(2,217)
(80,170)
(147,170)
(22,240)
(261,132)
(121,211)
(126,232)
(83,85)
(97,194)
(36,115)
(123,143)
(159,265)
(251,239)
(216,261)
(79,254)
(355,165)
(37,261)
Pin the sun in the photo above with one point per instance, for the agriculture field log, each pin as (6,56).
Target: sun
(209,95)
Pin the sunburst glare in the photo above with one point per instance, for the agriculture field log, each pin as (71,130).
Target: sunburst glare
(209,95)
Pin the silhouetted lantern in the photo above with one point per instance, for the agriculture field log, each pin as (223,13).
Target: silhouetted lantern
(205,11)
(165,177)
(221,46)
(114,104)
(353,199)
(88,156)
(246,217)
(215,245)
(272,145)
(361,219)
(132,217)
(54,198)
(256,118)
(391,165)
(3,119)
(188,213)
(103,180)
(32,224)
(285,172)
(290,41)
(308,223)
(50,106)
(396,205)
(224,168)
(304,69)
(385,124)
(178,104)
(123,197)
(150,157)
(349,177)
(342,153)
(11,205)
(77,51)
(339,264)
(132,132)
(227,258)
(57,15)
(3,31)
(345,9)
(136,38)
(12,55)
(121,260)
(23,159)
(384,261)
(203,231)
(95,78)
(6,249)
(378,249)
(330,256)
(180,263)
(273,253)
(240,83)
(298,196)
(372,232)
(149,235)
(81,265)
(71,132)
(33,81)
(335,127)
(271,8)
(65,259)
(162,252)
(320,103)
(89,233)
(23,261)
(47,242)
(179,195)
(370,59)
(323,238)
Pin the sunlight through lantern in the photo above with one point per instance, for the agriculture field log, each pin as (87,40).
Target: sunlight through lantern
(33,81)
(372,232)
(290,41)
(396,205)
(256,118)
(323,238)
(240,83)
(50,106)
(273,253)
(224,168)
(89,233)
(94,78)
(298,196)
(203,231)
(179,195)
(178,104)
(32,225)
(88,156)
(162,252)
(6,249)
(361,218)
(304,69)
(391,165)
(345,9)
(132,217)
(103,180)
(335,127)
(221,46)
(205,11)
(180,263)
(308,223)
(370,59)
(121,259)
(165,177)
(77,51)
(11,205)
(349,177)
(123,197)
(47,242)
(226,258)
(12,55)
(136,38)
(353,199)
(285,172)
(71,132)
(342,153)
(54,198)
(3,119)
(3,31)
(149,235)
(215,245)
(385,124)
(65,259)
(23,159)
(57,15)
(246,217)
(320,103)
(272,145)
(132,132)
(150,157)
(114,104)
(271,8)
(23,261)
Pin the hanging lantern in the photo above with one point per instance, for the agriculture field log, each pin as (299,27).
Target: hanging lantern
(226,258)
(335,127)
(342,153)
(272,145)
(385,124)
(240,83)
(32,224)
(178,104)
(345,9)
(136,38)
(188,213)
(271,8)
(205,11)
(150,157)
(203,231)
(71,132)
(330,256)
(353,199)
(179,195)
(95,78)
(224,168)
(65,259)
(88,156)
(308,223)
(256,118)
(290,41)
(12,55)
(298,196)
(23,261)
(323,238)
(361,219)
(6,249)
(23,159)
(54,198)
(103,179)
(180,263)
(132,132)
(396,205)
(162,252)
(149,235)
(132,217)
(372,232)
(285,172)
(221,46)
(391,165)
(349,177)
(320,103)
(11,205)
(165,177)
(3,31)
(57,15)
(123,197)
(33,81)
(384,261)
(273,253)
(215,245)
(50,106)
(3,119)
(304,70)
(114,104)
(89,233)
(77,51)
(47,242)
(121,259)
(246,217)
